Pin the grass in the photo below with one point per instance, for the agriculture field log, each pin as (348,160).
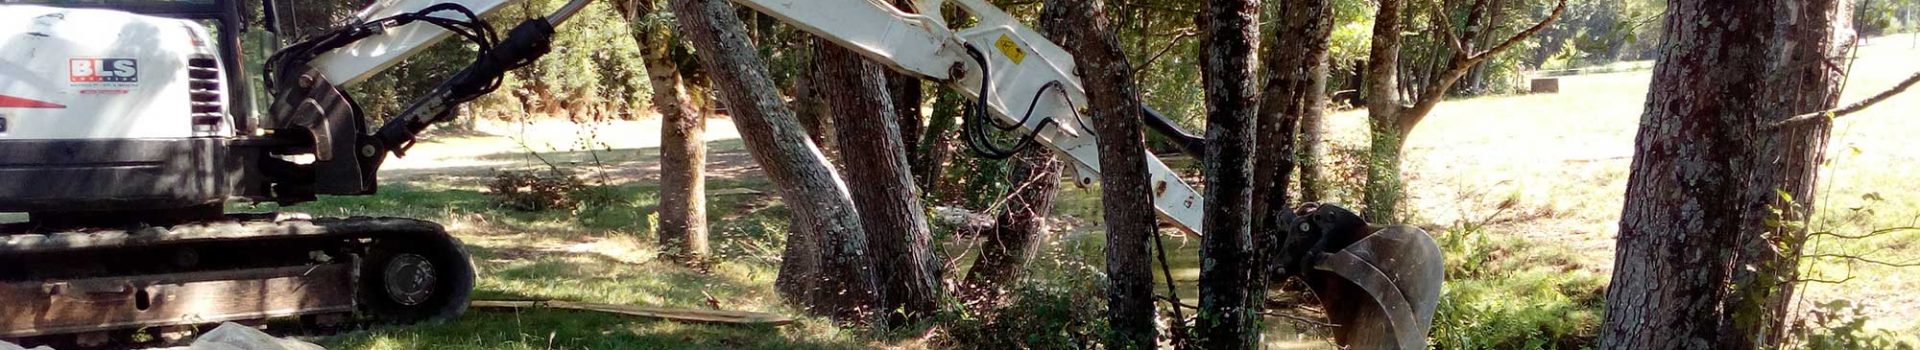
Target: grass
(601,255)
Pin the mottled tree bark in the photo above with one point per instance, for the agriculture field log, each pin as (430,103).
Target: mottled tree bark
(1114,102)
(1382,192)
(1804,76)
(1020,228)
(1230,287)
(1297,51)
(811,108)
(1313,131)
(936,145)
(780,146)
(876,158)
(1684,196)
(683,148)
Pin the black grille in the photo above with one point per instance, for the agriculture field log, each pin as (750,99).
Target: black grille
(203,89)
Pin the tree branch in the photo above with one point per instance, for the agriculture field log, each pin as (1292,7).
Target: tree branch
(1163,50)
(1848,109)
(1558,8)
(1869,234)
(1904,264)
(1445,24)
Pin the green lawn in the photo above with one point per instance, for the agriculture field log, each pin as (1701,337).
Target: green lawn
(601,255)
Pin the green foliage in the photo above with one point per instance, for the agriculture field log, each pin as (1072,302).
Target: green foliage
(1505,293)
(594,73)
(1598,32)
(1841,325)
(1060,306)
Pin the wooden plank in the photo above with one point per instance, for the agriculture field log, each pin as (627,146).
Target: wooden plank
(671,314)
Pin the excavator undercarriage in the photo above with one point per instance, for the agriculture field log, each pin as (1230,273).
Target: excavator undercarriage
(104,288)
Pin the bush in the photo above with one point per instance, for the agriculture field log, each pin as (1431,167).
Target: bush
(1496,298)
(1840,325)
(534,191)
(1062,305)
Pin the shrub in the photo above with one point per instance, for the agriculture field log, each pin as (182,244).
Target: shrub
(1840,325)
(1062,305)
(1497,298)
(534,191)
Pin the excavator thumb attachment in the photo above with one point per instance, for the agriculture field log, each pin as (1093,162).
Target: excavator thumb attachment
(1379,284)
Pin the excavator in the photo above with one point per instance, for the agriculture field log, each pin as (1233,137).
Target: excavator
(127,127)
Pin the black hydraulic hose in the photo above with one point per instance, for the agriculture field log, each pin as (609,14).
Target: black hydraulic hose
(977,118)
(1194,146)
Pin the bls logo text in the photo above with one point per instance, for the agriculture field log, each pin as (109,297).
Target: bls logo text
(109,70)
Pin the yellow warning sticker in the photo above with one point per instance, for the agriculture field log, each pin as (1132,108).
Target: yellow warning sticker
(1011,49)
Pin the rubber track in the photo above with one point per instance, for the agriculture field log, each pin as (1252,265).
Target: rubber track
(240,228)
(250,228)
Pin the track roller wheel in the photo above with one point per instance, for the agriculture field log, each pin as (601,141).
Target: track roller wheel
(414,279)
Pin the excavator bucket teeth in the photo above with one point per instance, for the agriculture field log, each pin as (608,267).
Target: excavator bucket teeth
(1385,289)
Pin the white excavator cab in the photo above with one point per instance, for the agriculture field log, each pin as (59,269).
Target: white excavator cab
(122,105)
(126,126)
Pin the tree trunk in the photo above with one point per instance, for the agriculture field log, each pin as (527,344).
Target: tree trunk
(1313,131)
(1684,196)
(1383,110)
(1806,78)
(683,148)
(1114,102)
(1018,231)
(876,158)
(1231,291)
(1021,228)
(1293,92)
(936,146)
(780,146)
(906,94)
(810,107)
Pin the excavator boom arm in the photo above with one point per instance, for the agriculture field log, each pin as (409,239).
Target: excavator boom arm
(1031,79)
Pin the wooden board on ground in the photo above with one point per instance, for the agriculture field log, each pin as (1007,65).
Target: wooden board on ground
(672,314)
(734,191)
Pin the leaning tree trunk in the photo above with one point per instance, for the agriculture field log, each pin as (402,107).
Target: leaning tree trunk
(1383,113)
(876,158)
(780,146)
(1806,70)
(1114,102)
(936,145)
(1681,221)
(1297,52)
(1021,227)
(1231,290)
(1018,231)
(683,149)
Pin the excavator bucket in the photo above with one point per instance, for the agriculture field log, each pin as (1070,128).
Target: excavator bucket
(1380,285)
(1399,271)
